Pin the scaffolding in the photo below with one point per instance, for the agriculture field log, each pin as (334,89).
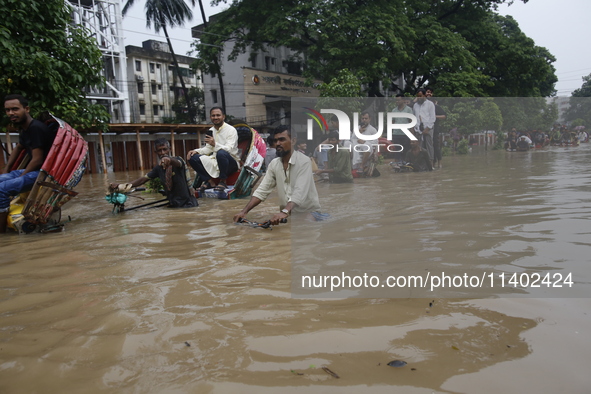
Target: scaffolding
(103,19)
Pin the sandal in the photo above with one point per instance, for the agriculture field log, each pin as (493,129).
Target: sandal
(221,187)
(204,186)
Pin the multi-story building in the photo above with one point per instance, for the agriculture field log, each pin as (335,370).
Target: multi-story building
(258,85)
(153,84)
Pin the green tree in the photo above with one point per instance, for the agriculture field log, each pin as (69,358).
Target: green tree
(585,89)
(510,61)
(345,84)
(527,113)
(450,44)
(197,97)
(50,61)
(580,104)
(343,92)
(171,13)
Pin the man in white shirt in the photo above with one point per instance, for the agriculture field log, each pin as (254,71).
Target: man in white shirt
(360,159)
(424,110)
(219,158)
(291,173)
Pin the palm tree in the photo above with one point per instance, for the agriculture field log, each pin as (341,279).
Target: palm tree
(165,13)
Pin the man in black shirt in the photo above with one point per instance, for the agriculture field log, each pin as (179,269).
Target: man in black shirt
(418,158)
(34,138)
(172,172)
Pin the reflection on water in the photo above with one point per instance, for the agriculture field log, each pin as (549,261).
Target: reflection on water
(184,301)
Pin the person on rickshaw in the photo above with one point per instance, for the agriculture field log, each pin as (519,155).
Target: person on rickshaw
(35,138)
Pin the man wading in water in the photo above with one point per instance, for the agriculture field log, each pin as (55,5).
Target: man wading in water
(291,173)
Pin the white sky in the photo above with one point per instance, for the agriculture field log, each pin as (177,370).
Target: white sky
(135,31)
(561,26)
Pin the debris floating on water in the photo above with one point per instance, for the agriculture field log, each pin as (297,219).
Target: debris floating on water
(397,363)
(328,371)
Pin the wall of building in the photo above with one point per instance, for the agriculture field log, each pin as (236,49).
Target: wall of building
(264,100)
(153,82)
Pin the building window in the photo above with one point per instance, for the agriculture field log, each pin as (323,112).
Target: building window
(158,66)
(269,63)
(140,88)
(153,88)
(159,86)
(293,67)
(155,109)
(142,109)
(138,65)
(214,96)
(253,60)
(152,67)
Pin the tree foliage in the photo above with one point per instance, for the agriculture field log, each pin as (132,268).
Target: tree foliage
(345,84)
(462,47)
(579,111)
(163,13)
(474,115)
(197,97)
(585,89)
(49,60)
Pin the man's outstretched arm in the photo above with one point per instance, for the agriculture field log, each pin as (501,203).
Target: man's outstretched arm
(254,201)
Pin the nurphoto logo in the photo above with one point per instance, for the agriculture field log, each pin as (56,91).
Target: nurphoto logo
(345,129)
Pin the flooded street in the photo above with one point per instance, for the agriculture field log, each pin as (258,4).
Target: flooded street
(184,301)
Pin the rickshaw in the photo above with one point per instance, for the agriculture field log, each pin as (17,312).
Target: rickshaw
(40,208)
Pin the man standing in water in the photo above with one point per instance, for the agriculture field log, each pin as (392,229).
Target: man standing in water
(424,110)
(360,159)
(440,115)
(339,161)
(34,138)
(172,172)
(291,173)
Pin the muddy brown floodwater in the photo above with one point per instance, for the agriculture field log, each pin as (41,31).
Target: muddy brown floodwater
(184,301)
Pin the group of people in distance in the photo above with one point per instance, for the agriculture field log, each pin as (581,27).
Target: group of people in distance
(559,135)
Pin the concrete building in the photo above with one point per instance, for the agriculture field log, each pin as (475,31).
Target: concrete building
(153,83)
(258,85)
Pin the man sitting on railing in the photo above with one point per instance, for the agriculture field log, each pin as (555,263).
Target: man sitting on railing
(34,138)
(219,158)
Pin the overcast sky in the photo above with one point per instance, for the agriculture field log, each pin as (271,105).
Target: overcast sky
(561,26)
